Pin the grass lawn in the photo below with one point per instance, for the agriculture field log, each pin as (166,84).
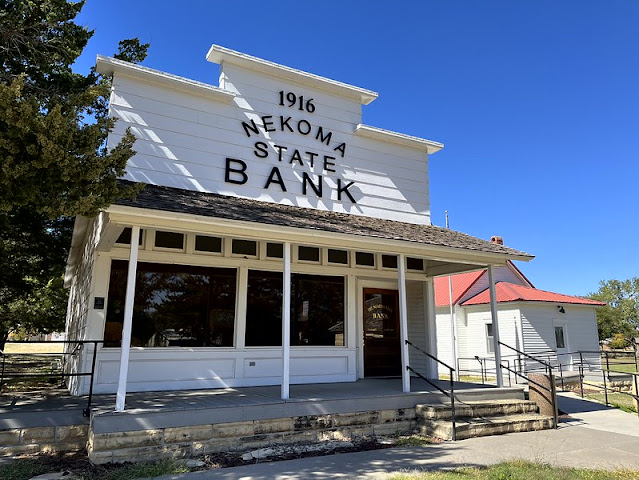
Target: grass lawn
(616,367)
(26,468)
(33,347)
(27,358)
(621,363)
(617,400)
(520,471)
(469,378)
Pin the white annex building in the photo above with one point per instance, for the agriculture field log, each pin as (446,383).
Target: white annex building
(279,240)
(547,325)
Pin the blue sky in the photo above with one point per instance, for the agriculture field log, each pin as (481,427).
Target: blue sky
(537,103)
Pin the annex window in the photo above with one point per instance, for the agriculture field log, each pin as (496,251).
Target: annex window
(308,254)
(490,346)
(174,306)
(317,310)
(365,259)
(560,337)
(338,256)
(169,240)
(389,261)
(125,237)
(415,263)
(204,243)
(275,250)
(244,247)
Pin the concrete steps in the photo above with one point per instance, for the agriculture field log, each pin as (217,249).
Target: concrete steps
(478,419)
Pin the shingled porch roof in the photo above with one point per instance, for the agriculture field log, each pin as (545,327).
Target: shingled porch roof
(204,204)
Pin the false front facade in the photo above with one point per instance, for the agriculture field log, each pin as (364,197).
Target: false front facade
(278,239)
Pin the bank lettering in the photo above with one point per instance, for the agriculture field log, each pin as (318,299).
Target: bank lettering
(283,155)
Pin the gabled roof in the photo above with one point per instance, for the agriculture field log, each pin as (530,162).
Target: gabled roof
(219,54)
(509,292)
(461,283)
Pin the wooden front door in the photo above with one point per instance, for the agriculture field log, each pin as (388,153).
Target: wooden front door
(382,349)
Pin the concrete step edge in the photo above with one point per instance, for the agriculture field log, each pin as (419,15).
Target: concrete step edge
(486,409)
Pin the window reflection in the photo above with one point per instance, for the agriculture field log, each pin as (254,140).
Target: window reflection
(317,309)
(174,305)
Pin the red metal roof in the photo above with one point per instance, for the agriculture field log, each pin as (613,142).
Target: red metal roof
(509,292)
(461,283)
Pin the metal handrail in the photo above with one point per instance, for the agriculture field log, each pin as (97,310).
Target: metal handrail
(79,344)
(450,394)
(551,390)
(605,373)
(546,364)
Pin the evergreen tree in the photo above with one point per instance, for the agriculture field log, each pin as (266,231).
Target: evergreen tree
(54,163)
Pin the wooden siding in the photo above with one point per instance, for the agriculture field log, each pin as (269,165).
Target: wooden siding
(471,335)
(538,323)
(184,140)
(417,325)
(79,307)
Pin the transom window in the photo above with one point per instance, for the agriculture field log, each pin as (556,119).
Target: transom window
(308,254)
(365,259)
(169,240)
(338,256)
(414,263)
(244,247)
(204,243)
(125,237)
(389,261)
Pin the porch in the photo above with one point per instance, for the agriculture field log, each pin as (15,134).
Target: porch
(191,422)
(52,407)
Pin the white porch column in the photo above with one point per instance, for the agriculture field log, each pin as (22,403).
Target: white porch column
(403,321)
(431,315)
(495,320)
(286,322)
(129,299)
(453,326)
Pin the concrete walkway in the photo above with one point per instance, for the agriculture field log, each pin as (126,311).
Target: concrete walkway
(597,416)
(595,437)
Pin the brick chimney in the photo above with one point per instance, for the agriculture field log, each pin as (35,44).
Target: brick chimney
(497,239)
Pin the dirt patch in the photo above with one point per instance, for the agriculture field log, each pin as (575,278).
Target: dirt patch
(78,463)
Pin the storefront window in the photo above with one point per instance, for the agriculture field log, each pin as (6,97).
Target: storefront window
(317,310)
(264,309)
(175,306)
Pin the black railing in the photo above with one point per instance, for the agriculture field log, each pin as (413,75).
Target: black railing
(450,394)
(484,368)
(549,370)
(608,374)
(20,365)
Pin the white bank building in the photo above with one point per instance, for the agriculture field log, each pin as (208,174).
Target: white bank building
(278,240)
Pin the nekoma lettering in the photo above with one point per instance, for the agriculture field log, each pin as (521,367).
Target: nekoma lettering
(236,170)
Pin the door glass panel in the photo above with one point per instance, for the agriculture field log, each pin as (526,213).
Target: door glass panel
(382,354)
(380,316)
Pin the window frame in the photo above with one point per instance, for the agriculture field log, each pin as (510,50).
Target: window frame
(490,339)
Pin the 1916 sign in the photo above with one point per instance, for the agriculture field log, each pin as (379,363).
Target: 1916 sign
(236,170)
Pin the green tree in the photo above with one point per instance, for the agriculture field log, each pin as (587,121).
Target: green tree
(54,161)
(621,313)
